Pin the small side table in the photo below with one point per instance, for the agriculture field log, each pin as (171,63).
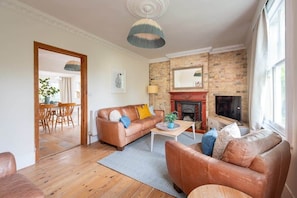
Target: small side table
(215,191)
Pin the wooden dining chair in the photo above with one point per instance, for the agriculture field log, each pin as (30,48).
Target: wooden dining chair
(45,115)
(64,114)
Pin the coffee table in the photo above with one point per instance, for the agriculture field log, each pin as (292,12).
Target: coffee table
(184,125)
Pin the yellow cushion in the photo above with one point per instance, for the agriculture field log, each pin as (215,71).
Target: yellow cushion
(143,111)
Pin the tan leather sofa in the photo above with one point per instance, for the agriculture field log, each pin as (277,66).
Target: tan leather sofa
(13,184)
(114,132)
(256,164)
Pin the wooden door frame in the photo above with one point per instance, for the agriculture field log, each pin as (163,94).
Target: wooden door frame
(83,79)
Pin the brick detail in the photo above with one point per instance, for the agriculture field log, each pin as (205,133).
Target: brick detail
(223,74)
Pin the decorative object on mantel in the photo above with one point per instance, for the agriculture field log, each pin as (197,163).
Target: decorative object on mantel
(46,90)
(170,118)
(147,33)
(72,66)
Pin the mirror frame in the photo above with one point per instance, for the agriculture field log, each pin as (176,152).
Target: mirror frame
(192,70)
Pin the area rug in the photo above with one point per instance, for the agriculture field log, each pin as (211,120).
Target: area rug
(139,163)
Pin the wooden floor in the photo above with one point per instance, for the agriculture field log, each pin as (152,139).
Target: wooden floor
(57,140)
(75,173)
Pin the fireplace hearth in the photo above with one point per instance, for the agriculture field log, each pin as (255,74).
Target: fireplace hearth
(190,106)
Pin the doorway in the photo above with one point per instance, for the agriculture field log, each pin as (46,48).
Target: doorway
(82,111)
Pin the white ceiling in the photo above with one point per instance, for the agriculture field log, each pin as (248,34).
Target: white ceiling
(52,63)
(187,24)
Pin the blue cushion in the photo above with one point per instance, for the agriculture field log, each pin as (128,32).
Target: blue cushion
(208,140)
(151,108)
(126,121)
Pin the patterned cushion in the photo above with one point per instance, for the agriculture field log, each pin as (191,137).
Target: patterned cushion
(228,133)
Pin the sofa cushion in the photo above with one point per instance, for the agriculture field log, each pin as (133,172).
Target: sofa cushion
(114,115)
(126,121)
(131,112)
(228,133)
(147,123)
(242,151)
(208,140)
(151,108)
(143,111)
(134,128)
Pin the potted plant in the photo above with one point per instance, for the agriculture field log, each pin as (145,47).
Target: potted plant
(170,118)
(46,90)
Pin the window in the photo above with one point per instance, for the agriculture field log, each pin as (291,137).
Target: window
(275,111)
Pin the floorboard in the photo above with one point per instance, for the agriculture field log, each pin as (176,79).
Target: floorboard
(76,173)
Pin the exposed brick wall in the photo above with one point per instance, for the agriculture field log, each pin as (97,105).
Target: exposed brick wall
(228,76)
(223,74)
(159,74)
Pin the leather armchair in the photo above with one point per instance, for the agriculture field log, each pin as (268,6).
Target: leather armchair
(13,184)
(256,164)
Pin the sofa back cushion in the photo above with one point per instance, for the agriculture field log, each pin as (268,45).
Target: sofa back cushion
(242,151)
(131,112)
(226,134)
(105,113)
(143,111)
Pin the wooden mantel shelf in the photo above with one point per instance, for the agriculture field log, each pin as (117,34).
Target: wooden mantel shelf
(190,96)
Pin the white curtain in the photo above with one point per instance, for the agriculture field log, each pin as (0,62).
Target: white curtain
(258,64)
(66,90)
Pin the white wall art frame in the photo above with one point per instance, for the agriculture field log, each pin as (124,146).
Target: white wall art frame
(118,81)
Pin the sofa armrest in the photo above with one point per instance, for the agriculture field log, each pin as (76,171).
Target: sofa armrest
(111,132)
(7,164)
(189,169)
(186,174)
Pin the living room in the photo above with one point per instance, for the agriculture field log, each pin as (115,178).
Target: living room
(21,26)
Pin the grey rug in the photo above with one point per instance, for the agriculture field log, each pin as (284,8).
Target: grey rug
(137,162)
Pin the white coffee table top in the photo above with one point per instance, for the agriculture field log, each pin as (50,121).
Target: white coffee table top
(183,126)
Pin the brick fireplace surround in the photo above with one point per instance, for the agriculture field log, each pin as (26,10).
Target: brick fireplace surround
(191,97)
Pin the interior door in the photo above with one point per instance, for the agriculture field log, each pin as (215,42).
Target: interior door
(83,88)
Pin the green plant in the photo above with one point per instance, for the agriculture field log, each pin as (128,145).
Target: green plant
(45,89)
(170,117)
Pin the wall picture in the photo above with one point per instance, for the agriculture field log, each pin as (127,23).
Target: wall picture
(118,81)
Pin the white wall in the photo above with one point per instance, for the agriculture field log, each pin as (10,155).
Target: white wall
(291,73)
(19,29)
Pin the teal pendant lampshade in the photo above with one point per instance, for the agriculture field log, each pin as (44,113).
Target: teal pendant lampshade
(146,33)
(72,66)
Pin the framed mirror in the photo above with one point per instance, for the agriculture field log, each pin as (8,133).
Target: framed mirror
(188,78)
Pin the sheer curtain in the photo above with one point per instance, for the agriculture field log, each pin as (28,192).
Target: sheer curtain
(66,90)
(258,64)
